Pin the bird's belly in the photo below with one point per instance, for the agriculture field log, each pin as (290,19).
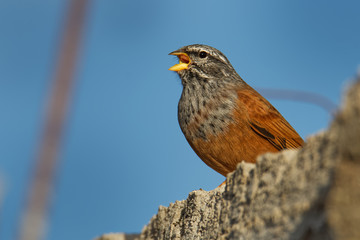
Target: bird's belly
(222,152)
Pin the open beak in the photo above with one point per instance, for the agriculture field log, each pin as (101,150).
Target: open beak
(184,61)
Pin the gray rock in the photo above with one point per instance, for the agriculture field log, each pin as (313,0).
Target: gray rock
(282,196)
(343,202)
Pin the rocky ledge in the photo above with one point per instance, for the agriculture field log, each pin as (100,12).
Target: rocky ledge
(310,193)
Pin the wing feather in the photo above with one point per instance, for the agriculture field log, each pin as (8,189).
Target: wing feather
(266,121)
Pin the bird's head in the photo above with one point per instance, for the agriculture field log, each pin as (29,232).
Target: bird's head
(201,62)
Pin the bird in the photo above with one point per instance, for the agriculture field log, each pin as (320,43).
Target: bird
(224,120)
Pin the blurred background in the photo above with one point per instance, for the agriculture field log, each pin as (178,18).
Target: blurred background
(89,138)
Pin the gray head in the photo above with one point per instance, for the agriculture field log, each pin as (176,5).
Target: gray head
(203,63)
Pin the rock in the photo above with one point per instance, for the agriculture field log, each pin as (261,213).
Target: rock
(117,236)
(343,203)
(283,195)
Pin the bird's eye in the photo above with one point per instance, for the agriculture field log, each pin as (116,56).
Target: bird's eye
(202,54)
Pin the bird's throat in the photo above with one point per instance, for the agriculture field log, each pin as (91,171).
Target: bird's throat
(203,112)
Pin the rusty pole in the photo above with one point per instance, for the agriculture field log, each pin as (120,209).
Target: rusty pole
(34,219)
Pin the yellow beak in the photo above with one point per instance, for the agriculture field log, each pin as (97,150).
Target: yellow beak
(184,61)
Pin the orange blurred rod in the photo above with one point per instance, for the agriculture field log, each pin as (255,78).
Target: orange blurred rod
(34,219)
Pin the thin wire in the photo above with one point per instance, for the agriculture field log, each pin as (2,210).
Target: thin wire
(300,96)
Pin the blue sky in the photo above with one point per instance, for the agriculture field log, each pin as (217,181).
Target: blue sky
(122,153)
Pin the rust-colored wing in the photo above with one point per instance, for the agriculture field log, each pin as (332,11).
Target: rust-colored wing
(266,121)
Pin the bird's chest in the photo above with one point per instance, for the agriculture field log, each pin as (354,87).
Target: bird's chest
(202,114)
